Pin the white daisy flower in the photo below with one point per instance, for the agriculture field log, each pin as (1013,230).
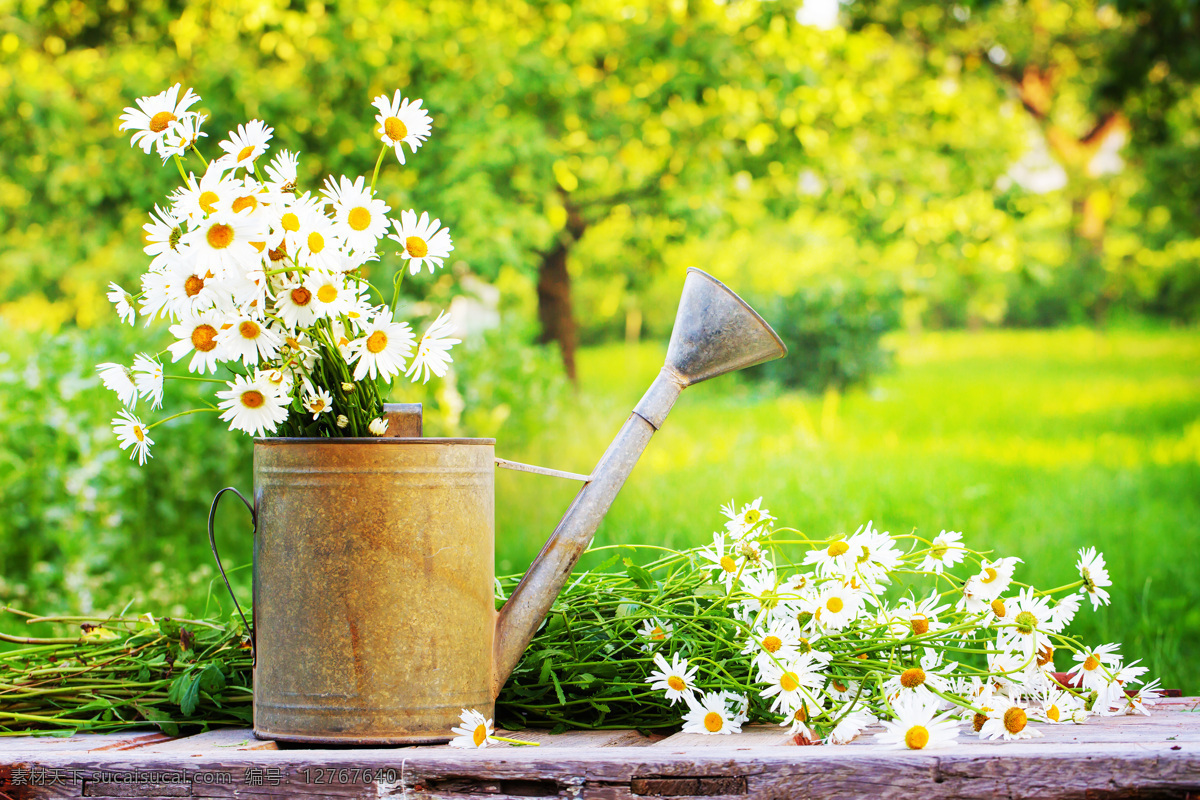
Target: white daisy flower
(1061,707)
(198,334)
(746,521)
(1064,611)
(421,240)
(1095,576)
(789,682)
(148,376)
(475,730)
(281,172)
(945,550)
(918,726)
(837,606)
(162,235)
(246,144)
(252,406)
(214,192)
(190,289)
(834,560)
(119,379)
(1031,620)
(922,617)
(361,218)
(378,426)
(991,582)
(1141,701)
(711,715)
(318,243)
(131,432)
(851,726)
(181,135)
(675,678)
(433,353)
(402,122)
(154,115)
(295,306)
(382,349)
(224,244)
(874,552)
(723,561)
(123,302)
(777,642)
(248,339)
(1113,695)
(1092,665)
(318,401)
(1007,720)
(918,680)
(655,632)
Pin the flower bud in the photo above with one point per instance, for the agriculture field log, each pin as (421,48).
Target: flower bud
(342,421)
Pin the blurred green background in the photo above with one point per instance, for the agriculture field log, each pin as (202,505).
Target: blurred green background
(976,225)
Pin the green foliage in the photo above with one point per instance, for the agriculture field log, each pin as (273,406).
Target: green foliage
(832,333)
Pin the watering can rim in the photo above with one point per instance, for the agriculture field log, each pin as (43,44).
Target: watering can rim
(324,440)
(766,325)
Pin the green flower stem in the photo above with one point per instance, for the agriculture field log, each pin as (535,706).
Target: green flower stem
(155,424)
(378,163)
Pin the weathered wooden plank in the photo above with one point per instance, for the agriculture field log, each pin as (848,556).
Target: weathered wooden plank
(751,737)
(212,743)
(82,741)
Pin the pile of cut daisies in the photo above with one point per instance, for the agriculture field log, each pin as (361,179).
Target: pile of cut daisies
(263,282)
(922,636)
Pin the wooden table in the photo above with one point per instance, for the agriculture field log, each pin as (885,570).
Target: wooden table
(1157,756)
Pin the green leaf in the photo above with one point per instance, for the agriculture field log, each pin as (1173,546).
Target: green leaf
(639,575)
(160,718)
(558,689)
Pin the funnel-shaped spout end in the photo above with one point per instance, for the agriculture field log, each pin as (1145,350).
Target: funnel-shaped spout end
(717,332)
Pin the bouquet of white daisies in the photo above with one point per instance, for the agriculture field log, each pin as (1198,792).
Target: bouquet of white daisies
(263,285)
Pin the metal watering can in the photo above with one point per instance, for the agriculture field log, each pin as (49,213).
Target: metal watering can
(374,612)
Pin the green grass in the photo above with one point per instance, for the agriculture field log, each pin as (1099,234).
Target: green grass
(1032,443)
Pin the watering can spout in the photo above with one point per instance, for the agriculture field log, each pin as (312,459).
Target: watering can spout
(715,332)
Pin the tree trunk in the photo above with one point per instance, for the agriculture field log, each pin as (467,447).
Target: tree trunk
(554,304)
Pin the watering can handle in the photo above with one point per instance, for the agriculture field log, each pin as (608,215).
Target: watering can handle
(212,542)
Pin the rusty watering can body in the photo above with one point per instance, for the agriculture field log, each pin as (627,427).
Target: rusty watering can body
(374,617)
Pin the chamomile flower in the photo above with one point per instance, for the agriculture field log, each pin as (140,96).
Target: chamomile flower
(198,334)
(281,172)
(249,339)
(246,144)
(190,289)
(1064,611)
(153,116)
(1093,664)
(874,552)
(318,245)
(378,426)
(675,678)
(433,353)
(918,680)
(945,550)
(1114,691)
(223,243)
(181,135)
(918,726)
(213,192)
(1061,707)
(1095,576)
(475,731)
(381,350)
(851,726)
(1007,720)
(131,433)
(328,293)
(401,122)
(148,377)
(834,560)
(790,682)
(655,632)
(749,519)
(123,303)
(837,606)
(422,241)
(774,643)
(724,561)
(1031,623)
(712,714)
(162,235)
(252,406)
(360,217)
(319,401)
(1145,698)
(295,306)
(991,582)
(119,379)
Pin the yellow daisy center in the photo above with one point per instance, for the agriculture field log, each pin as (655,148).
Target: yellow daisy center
(253,399)
(1026,622)
(204,338)
(416,246)
(395,129)
(208,202)
(193,285)
(998,608)
(713,722)
(359,218)
(249,201)
(1015,720)
(728,564)
(837,548)
(137,431)
(377,342)
(753,516)
(977,722)
(1053,713)
(835,604)
(991,575)
(219,236)
(249,329)
(800,714)
(789,682)
(657,634)
(1091,663)
(920,624)
(279,253)
(316,242)
(245,153)
(1045,655)
(912,677)
(772,644)
(316,405)
(160,121)
(301,296)
(677,683)
(838,686)
(480,735)
(290,222)
(939,551)
(916,737)
(327,293)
